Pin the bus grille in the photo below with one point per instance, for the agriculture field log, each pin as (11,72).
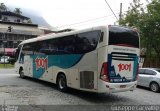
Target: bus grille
(87,79)
(123,56)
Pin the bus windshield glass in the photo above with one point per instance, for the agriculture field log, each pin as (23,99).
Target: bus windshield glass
(17,52)
(123,36)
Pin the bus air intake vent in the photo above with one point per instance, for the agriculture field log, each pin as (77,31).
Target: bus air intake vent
(87,79)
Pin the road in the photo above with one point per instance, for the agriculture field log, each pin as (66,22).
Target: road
(31,92)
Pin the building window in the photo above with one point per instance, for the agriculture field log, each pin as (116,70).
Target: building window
(18,20)
(5,19)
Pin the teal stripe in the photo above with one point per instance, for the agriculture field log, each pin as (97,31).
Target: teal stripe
(62,61)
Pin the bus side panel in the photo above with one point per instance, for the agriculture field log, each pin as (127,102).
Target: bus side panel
(76,67)
(72,78)
(102,57)
(48,75)
(46,67)
(83,75)
(28,66)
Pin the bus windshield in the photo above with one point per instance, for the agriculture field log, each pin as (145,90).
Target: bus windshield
(123,36)
(17,52)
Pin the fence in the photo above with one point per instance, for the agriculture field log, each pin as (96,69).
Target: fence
(152,62)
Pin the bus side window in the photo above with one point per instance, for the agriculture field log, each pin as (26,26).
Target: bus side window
(87,41)
(101,37)
(63,45)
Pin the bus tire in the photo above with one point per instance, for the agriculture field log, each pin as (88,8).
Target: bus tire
(21,73)
(62,82)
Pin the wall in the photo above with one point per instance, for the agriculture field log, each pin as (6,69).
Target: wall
(12,18)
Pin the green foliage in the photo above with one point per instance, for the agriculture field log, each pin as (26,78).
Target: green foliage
(6,66)
(147,21)
(17,11)
(29,21)
(3,7)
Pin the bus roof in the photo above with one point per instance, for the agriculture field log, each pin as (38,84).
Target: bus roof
(53,35)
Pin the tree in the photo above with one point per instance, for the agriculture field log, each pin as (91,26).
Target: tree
(147,20)
(3,7)
(29,21)
(18,11)
(152,25)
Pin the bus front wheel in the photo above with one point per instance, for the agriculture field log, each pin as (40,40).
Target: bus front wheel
(21,73)
(62,83)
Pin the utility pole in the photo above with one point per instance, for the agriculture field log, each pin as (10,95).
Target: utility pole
(5,42)
(120,13)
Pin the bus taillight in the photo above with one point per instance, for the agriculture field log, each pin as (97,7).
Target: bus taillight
(104,72)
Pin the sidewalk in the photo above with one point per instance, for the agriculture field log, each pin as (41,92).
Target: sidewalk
(7,70)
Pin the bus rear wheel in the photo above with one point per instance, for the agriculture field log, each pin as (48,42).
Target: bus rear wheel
(62,83)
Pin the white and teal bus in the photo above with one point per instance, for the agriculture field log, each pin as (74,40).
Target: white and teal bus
(100,59)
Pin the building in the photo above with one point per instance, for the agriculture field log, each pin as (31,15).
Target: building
(7,16)
(18,33)
(15,28)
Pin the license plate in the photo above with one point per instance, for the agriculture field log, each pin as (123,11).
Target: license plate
(122,86)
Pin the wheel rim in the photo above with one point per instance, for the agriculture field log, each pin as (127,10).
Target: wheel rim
(62,83)
(154,87)
(21,74)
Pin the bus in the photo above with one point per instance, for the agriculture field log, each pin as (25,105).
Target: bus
(99,59)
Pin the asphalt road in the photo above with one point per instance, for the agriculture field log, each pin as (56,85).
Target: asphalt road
(31,92)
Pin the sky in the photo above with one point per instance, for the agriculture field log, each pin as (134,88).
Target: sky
(73,13)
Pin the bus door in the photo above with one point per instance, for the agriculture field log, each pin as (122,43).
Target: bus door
(26,60)
(28,65)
